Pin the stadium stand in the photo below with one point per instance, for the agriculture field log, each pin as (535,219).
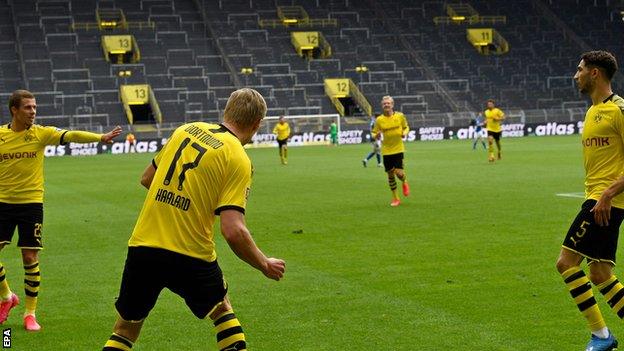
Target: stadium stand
(192,54)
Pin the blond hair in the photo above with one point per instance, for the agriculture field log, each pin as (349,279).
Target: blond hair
(387,97)
(244,107)
(15,100)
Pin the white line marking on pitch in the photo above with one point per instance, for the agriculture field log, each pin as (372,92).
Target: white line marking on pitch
(576,195)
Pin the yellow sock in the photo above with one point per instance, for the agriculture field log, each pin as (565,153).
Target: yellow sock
(393,187)
(395,193)
(32,280)
(581,291)
(5,291)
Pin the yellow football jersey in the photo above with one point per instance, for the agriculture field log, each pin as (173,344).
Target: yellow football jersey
(282,131)
(202,170)
(492,124)
(21,162)
(393,128)
(603,147)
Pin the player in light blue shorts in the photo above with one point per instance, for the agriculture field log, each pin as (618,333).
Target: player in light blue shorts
(479,131)
(376,148)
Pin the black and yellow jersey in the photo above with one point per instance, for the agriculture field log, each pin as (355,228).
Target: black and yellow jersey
(282,130)
(493,119)
(21,162)
(603,147)
(393,128)
(202,170)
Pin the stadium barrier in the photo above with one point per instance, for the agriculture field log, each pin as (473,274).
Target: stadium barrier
(350,136)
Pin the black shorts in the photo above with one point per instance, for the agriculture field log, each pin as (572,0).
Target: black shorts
(282,142)
(495,135)
(590,240)
(393,161)
(28,218)
(149,270)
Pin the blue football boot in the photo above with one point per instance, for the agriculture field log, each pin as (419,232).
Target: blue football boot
(600,344)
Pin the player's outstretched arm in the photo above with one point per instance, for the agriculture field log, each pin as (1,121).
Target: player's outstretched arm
(108,137)
(79,136)
(238,237)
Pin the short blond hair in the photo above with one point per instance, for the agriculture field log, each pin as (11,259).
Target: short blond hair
(245,107)
(388,97)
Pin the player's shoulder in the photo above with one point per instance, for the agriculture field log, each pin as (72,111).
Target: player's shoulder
(618,101)
(400,114)
(38,128)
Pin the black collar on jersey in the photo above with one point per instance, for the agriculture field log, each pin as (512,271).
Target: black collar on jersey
(222,129)
(9,126)
(607,99)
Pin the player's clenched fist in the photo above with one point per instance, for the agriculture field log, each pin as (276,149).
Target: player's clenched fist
(274,268)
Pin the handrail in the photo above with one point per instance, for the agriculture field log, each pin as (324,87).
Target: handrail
(20,54)
(220,49)
(326,49)
(360,99)
(338,105)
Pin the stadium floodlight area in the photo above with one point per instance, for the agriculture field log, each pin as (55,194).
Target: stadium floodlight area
(304,129)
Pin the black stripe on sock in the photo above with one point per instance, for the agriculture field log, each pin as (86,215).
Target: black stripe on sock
(225,318)
(586,304)
(2,278)
(620,313)
(229,332)
(121,340)
(580,290)
(33,274)
(608,288)
(30,293)
(616,298)
(109,348)
(34,265)
(574,277)
(32,284)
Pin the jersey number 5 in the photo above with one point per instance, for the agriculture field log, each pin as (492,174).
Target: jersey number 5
(185,167)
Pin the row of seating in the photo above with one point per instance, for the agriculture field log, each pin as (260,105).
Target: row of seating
(430,69)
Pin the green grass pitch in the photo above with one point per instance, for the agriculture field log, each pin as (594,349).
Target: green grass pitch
(465,263)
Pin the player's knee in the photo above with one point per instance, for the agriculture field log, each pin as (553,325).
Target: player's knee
(561,265)
(223,307)
(598,278)
(599,274)
(564,263)
(30,256)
